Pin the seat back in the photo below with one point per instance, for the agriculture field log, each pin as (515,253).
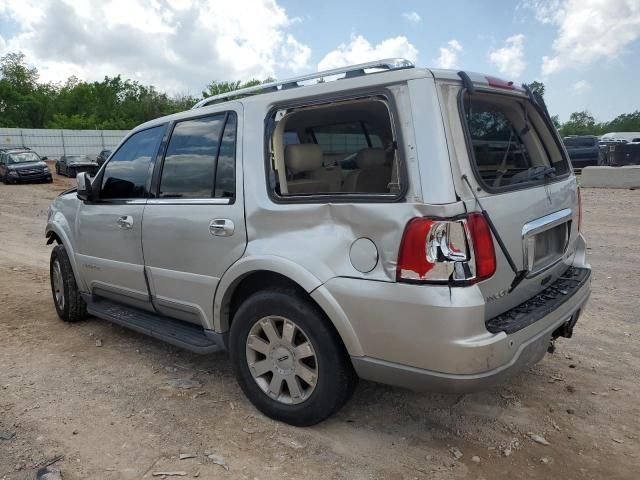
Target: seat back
(372,176)
(301,160)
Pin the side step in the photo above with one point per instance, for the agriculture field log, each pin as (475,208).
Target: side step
(175,332)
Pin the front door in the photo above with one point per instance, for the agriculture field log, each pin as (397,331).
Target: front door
(109,229)
(194,228)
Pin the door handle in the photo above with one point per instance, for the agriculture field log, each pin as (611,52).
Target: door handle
(125,222)
(221,227)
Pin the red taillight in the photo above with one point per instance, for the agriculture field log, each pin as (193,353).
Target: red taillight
(579,210)
(482,245)
(435,250)
(500,83)
(413,250)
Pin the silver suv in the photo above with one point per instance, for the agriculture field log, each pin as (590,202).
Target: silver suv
(414,227)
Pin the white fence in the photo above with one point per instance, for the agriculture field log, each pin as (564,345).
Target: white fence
(54,143)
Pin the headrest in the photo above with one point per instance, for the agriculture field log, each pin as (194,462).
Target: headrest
(371,158)
(303,158)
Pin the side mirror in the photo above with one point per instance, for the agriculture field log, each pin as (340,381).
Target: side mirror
(84,186)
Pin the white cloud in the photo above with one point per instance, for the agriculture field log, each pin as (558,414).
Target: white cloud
(588,30)
(448,57)
(360,50)
(412,17)
(179,45)
(581,86)
(510,59)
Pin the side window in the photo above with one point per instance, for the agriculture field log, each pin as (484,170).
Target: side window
(126,174)
(345,147)
(200,155)
(226,170)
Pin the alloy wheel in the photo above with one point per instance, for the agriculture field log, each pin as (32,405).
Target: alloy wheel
(282,360)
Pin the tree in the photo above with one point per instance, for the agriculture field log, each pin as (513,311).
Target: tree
(537,87)
(581,123)
(218,88)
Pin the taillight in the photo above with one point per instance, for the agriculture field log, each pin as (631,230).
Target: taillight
(579,210)
(439,251)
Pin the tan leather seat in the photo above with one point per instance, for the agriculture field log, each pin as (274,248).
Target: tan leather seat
(301,160)
(372,176)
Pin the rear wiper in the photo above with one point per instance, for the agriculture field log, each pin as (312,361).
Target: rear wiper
(534,172)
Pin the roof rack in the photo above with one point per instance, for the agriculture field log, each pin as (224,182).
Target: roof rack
(349,72)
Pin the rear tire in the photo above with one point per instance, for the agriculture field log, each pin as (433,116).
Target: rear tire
(67,299)
(324,363)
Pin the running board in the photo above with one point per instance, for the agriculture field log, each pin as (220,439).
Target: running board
(181,334)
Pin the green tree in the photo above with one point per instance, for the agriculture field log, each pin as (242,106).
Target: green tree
(537,87)
(581,123)
(218,88)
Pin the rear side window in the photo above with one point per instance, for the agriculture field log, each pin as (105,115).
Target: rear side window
(511,143)
(200,159)
(127,172)
(340,148)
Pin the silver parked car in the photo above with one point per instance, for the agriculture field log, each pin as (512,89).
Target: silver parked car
(415,227)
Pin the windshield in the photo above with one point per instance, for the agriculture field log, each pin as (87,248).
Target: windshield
(77,158)
(512,144)
(22,157)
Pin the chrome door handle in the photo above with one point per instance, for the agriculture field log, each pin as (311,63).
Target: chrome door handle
(125,222)
(221,227)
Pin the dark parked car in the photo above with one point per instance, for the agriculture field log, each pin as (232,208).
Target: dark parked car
(584,150)
(70,165)
(102,157)
(23,165)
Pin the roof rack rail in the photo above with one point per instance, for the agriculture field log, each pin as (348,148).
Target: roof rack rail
(349,72)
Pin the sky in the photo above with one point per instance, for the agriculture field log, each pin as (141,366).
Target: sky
(587,52)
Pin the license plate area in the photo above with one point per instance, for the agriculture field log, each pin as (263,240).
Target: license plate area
(545,241)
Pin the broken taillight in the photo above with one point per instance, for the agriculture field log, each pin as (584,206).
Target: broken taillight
(441,251)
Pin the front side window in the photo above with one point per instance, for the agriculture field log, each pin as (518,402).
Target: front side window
(200,159)
(512,144)
(127,172)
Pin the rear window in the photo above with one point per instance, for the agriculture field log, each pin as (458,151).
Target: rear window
(512,144)
(579,141)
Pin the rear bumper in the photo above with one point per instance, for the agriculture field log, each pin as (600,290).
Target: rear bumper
(433,339)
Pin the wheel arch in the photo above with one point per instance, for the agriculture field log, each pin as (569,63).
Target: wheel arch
(250,275)
(54,233)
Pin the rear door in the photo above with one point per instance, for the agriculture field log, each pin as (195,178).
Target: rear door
(514,161)
(194,228)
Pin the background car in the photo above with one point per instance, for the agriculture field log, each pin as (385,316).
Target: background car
(584,150)
(102,157)
(22,165)
(71,165)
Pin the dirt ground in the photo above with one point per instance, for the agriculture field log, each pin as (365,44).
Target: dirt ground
(118,412)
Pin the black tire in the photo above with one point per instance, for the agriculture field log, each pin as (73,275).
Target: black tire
(57,169)
(71,172)
(73,308)
(336,379)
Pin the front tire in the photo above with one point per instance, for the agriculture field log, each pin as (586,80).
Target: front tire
(69,304)
(287,358)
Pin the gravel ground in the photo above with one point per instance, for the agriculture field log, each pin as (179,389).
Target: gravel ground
(120,411)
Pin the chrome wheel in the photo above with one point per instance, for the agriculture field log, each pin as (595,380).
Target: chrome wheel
(282,360)
(58,284)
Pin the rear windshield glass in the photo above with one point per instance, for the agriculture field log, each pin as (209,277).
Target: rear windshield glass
(580,141)
(512,144)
